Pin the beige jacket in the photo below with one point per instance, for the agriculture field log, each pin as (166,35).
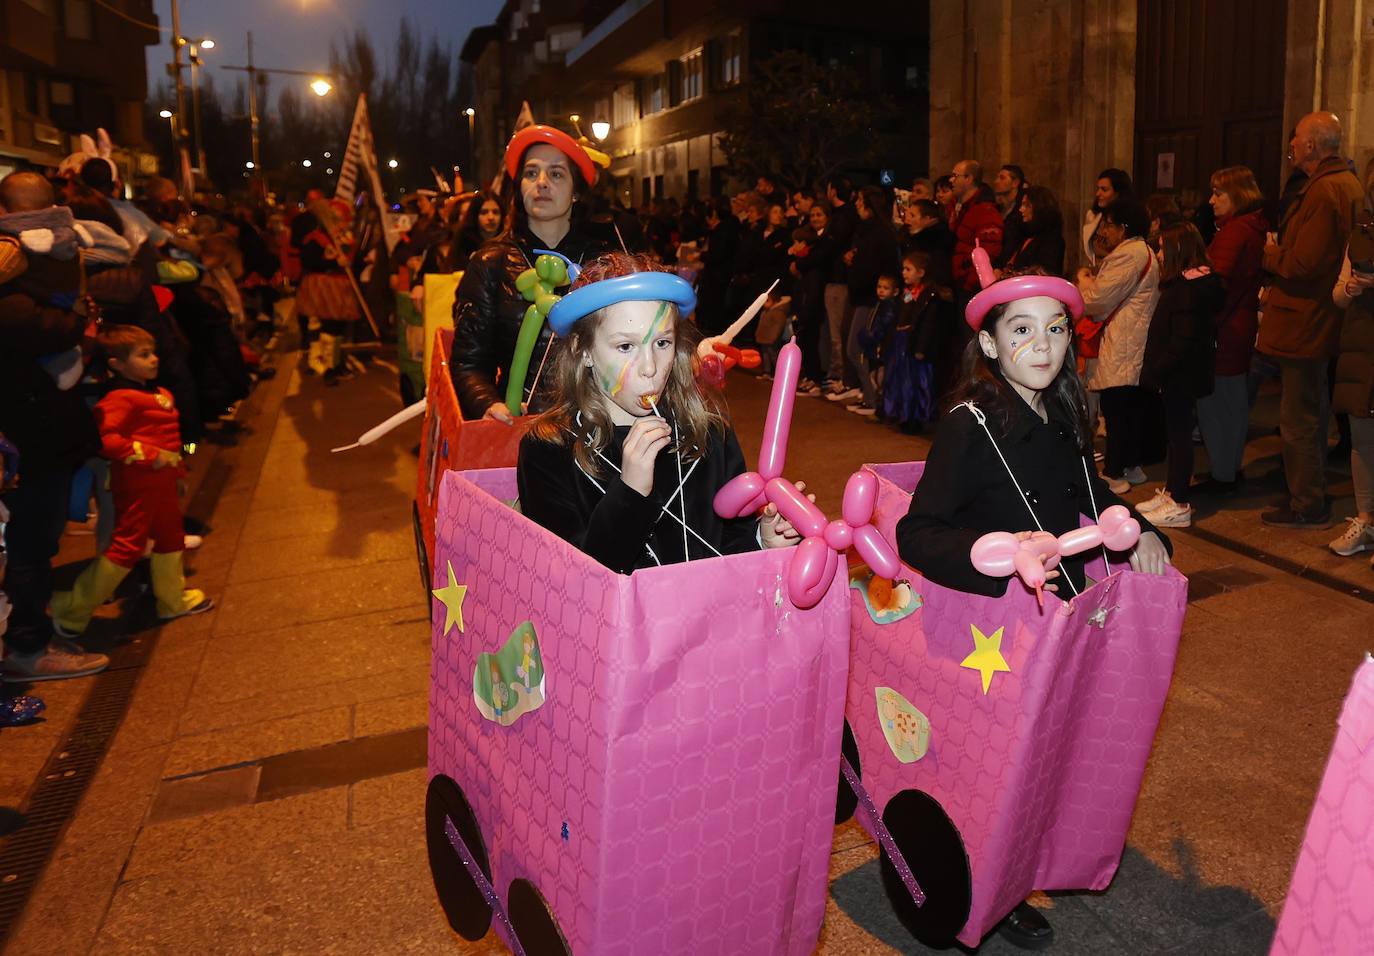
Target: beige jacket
(1119,283)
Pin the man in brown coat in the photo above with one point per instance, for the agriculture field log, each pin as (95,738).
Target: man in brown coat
(1301,325)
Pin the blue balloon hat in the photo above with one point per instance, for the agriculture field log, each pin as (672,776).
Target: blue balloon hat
(637,287)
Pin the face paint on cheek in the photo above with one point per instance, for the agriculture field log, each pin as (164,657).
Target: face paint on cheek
(1018,351)
(613,386)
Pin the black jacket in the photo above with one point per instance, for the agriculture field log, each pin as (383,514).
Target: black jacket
(966,492)
(935,241)
(875,254)
(488,310)
(1043,249)
(1181,346)
(614,527)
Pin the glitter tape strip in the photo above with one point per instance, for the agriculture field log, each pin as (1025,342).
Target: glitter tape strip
(889,845)
(483,884)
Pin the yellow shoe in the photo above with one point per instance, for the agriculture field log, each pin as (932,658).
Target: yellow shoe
(174,599)
(72,610)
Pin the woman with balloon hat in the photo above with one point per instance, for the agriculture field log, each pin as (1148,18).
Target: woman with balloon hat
(546,173)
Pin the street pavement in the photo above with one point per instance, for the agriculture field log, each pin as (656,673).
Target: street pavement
(263,792)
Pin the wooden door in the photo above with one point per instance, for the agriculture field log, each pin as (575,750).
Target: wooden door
(1209,93)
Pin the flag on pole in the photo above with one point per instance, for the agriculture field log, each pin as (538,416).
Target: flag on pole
(360,156)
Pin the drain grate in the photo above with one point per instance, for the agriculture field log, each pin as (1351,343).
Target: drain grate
(24,854)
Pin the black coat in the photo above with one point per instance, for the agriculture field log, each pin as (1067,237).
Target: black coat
(875,254)
(487,313)
(614,527)
(937,242)
(1181,346)
(1044,249)
(966,492)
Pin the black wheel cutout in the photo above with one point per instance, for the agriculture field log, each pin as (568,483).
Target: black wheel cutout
(934,851)
(846,800)
(464,904)
(534,923)
(420,553)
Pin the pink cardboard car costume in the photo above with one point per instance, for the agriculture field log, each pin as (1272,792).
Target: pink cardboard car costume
(626,764)
(448,443)
(1001,745)
(1327,911)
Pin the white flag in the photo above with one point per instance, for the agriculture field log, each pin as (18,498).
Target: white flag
(360,155)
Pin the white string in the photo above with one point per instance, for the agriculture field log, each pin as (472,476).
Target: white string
(983,420)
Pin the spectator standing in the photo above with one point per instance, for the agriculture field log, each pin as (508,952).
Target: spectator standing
(1301,327)
(944,195)
(50,425)
(1009,187)
(843,221)
(1122,298)
(1042,234)
(927,231)
(975,221)
(717,260)
(873,255)
(1236,253)
(1112,184)
(480,224)
(1354,391)
(814,264)
(1179,356)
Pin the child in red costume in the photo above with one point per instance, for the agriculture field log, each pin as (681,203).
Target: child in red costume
(140,434)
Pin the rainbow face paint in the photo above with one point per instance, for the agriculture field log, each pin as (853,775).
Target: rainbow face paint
(614,386)
(1018,351)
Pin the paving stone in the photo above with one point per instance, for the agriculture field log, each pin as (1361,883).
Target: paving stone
(235,745)
(198,796)
(391,714)
(342,763)
(312,598)
(389,797)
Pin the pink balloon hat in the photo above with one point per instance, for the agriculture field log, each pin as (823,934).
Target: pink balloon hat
(1001,292)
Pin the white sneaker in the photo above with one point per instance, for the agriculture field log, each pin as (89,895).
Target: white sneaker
(863,410)
(1160,499)
(1172,515)
(1117,486)
(847,395)
(1135,475)
(1357,537)
(190,542)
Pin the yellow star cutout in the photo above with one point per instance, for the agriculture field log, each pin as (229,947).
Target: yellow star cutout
(987,656)
(453,595)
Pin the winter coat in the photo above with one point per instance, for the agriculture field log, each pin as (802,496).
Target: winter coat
(965,492)
(613,527)
(136,422)
(1236,253)
(1119,288)
(875,254)
(1180,349)
(488,310)
(1014,234)
(977,222)
(937,242)
(1092,219)
(1044,250)
(1353,392)
(1300,318)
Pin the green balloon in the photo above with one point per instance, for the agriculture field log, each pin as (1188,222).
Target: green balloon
(544,301)
(557,272)
(525,283)
(544,266)
(520,361)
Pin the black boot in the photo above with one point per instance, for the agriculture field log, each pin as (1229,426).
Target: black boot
(1026,928)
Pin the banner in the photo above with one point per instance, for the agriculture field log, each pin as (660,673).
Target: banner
(361,154)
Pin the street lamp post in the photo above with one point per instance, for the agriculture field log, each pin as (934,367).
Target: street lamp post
(320,86)
(203,43)
(471,114)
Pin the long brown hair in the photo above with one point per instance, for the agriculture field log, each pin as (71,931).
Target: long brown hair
(981,381)
(696,409)
(1183,249)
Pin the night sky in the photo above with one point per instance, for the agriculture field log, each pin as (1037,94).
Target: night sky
(295,34)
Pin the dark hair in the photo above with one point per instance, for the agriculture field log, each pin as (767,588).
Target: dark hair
(1046,217)
(890,280)
(919,259)
(98,174)
(876,202)
(85,203)
(805,192)
(119,342)
(981,381)
(944,182)
(1130,214)
(928,208)
(1016,171)
(1183,250)
(1120,180)
(469,234)
(844,189)
(1163,207)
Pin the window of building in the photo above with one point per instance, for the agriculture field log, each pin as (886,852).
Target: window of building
(693,185)
(658,186)
(623,111)
(654,101)
(646,190)
(691,74)
(731,52)
(76,15)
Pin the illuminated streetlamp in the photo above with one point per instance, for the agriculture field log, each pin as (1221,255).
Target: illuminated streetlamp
(321,87)
(601,129)
(249,165)
(392,164)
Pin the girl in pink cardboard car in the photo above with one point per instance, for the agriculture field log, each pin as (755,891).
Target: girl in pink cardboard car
(1014,452)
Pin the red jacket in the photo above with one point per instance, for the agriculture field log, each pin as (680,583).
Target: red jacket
(978,222)
(136,423)
(1237,254)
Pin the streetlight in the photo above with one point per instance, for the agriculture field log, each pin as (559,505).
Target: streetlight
(471,114)
(196,45)
(250,165)
(305,163)
(601,129)
(392,164)
(321,86)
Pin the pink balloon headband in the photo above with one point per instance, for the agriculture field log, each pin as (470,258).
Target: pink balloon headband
(1001,292)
